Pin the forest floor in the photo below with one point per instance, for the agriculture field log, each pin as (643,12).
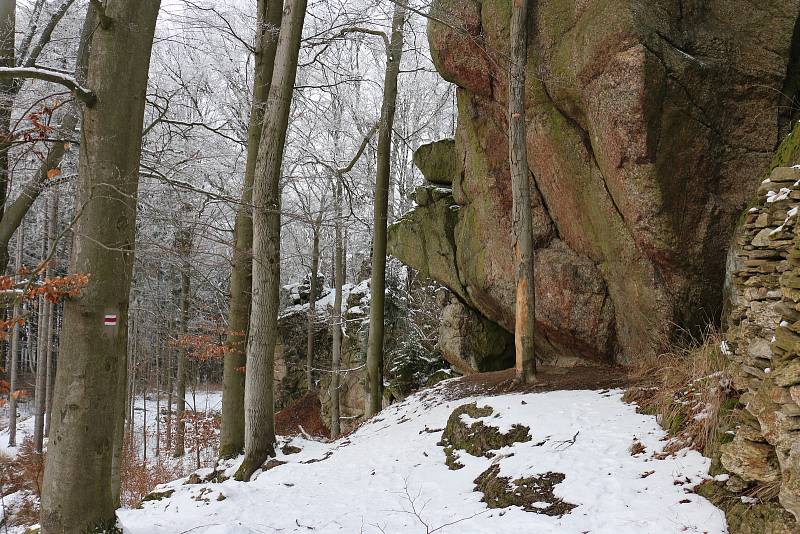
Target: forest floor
(588,463)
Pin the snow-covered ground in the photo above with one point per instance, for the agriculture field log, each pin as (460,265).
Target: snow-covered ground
(390,477)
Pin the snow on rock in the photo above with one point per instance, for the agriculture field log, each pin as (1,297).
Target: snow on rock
(390,476)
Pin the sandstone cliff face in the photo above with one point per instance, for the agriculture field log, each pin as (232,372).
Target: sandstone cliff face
(648,121)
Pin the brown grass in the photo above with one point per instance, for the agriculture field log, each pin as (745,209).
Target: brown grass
(687,389)
(22,473)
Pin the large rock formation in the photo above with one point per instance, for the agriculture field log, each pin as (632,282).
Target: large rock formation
(648,121)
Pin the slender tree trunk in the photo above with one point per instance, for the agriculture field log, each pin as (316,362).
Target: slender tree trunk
(15,349)
(259,408)
(521,192)
(180,401)
(378,281)
(158,399)
(232,429)
(144,406)
(52,231)
(336,319)
(169,394)
(40,400)
(8,9)
(312,303)
(77,490)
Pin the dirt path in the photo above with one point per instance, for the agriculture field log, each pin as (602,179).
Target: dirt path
(550,379)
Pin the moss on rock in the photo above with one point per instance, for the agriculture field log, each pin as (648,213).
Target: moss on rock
(788,153)
(475,437)
(758,518)
(532,494)
(437,161)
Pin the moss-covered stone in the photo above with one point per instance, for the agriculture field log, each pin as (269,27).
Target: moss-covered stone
(788,153)
(476,437)
(437,161)
(532,494)
(158,495)
(758,518)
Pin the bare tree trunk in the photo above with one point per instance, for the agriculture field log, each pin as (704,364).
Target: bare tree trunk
(169,393)
(15,349)
(158,399)
(52,230)
(336,319)
(180,401)
(312,302)
(77,490)
(40,400)
(521,192)
(8,10)
(232,429)
(258,396)
(378,281)
(144,404)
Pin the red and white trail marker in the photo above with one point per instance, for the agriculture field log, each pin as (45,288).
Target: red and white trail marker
(110,320)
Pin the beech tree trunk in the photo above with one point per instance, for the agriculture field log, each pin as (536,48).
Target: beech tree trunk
(259,408)
(374,399)
(232,429)
(336,317)
(8,14)
(52,235)
(40,400)
(15,351)
(312,303)
(77,488)
(522,226)
(180,400)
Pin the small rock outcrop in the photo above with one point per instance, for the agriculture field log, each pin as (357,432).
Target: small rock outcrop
(471,343)
(648,121)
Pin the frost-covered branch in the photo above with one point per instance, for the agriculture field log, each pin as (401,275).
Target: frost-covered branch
(81,93)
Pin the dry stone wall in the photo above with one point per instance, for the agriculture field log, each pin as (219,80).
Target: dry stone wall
(763,342)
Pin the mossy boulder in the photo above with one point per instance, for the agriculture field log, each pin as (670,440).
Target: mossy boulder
(438,161)
(476,437)
(532,494)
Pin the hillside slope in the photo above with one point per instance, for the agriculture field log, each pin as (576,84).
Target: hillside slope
(579,458)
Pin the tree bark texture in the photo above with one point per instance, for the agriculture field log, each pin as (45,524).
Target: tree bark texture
(232,429)
(522,227)
(88,399)
(259,403)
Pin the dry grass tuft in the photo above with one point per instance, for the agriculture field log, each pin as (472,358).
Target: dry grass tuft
(688,390)
(22,475)
(139,477)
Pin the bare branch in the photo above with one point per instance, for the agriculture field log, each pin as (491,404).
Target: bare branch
(81,93)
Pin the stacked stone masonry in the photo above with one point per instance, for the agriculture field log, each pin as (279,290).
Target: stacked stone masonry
(763,342)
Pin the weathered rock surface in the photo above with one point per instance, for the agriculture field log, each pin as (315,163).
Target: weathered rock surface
(437,161)
(470,342)
(649,121)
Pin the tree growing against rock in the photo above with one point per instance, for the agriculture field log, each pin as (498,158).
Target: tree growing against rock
(522,229)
